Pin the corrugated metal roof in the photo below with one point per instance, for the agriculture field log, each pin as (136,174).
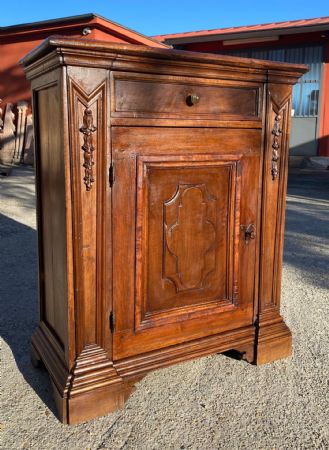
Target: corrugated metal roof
(303,23)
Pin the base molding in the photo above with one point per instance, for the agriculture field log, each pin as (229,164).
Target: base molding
(90,389)
(45,351)
(97,402)
(96,386)
(241,340)
(91,404)
(273,342)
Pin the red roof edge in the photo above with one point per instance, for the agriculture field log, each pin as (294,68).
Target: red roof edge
(301,23)
(66,23)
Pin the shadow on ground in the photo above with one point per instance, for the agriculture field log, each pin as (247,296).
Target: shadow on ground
(18,301)
(14,188)
(307,225)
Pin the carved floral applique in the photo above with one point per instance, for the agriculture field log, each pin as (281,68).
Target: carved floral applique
(276,132)
(88,129)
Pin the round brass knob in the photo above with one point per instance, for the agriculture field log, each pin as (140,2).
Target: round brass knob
(192,99)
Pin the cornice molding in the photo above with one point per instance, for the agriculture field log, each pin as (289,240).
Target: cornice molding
(127,57)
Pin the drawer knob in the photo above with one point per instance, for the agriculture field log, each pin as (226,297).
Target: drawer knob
(192,99)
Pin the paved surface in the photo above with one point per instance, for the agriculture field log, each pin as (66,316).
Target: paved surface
(214,402)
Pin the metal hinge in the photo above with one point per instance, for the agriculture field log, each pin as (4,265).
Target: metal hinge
(111,175)
(112,321)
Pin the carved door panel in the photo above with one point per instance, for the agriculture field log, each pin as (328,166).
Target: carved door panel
(181,266)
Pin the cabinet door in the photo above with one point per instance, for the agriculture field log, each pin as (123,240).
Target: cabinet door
(182,268)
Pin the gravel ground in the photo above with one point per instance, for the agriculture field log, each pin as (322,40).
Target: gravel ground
(211,403)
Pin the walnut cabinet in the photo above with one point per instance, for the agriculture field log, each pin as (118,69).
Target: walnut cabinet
(161,182)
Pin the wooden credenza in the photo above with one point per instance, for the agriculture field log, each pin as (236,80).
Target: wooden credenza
(161,183)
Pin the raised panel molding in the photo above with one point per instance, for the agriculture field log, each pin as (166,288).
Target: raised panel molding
(189,210)
(189,213)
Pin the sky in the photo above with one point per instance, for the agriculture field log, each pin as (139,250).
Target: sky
(168,16)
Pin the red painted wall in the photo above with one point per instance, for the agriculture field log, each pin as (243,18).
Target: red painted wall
(324,113)
(16,43)
(14,86)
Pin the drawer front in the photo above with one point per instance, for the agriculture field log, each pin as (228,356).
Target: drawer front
(136,95)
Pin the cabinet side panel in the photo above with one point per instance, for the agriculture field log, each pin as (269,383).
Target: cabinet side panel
(52,219)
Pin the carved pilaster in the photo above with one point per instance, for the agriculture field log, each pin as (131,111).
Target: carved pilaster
(273,336)
(88,102)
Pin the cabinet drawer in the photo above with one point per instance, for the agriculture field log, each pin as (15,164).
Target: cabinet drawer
(136,95)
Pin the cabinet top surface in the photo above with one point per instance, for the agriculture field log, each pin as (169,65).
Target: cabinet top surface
(62,46)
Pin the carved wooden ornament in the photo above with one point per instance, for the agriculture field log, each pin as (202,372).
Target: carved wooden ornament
(276,131)
(88,129)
